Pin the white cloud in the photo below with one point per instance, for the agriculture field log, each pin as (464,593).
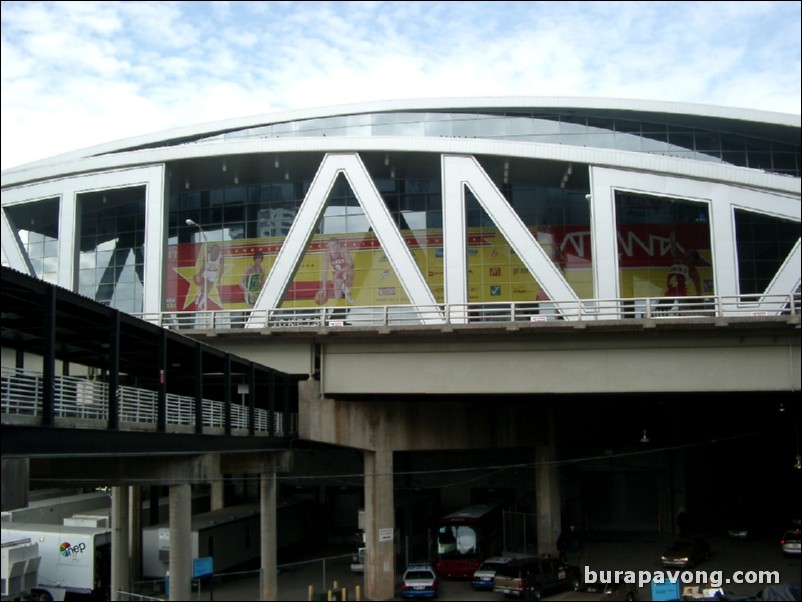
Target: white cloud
(75,74)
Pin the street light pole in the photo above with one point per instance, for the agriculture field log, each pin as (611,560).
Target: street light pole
(191,222)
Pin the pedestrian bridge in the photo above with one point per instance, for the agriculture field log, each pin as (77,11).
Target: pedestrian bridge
(81,378)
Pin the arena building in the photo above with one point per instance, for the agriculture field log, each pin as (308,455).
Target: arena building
(435,250)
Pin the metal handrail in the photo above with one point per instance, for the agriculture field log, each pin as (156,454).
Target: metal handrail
(87,399)
(722,306)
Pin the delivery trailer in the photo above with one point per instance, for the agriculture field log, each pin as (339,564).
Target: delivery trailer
(230,536)
(72,559)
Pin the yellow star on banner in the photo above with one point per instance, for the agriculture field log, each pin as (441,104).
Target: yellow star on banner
(195,291)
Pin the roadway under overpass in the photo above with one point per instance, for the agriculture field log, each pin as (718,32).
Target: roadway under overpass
(526,386)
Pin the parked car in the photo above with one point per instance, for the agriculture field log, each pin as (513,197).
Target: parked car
(610,591)
(531,578)
(419,581)
(483,577)
(739,531)
(686,553)
(791,542)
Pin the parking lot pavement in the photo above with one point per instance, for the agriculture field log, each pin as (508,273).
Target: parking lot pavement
(622,552)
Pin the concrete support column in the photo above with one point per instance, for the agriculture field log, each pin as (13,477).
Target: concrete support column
(180,542)
(15,483)
(217,501)
(268,536)
(379,525)
(217,490)
(547,489)
(135,532)
(119,540)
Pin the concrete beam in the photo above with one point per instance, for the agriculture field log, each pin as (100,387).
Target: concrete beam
(256,463)
(412,425)
(165,470)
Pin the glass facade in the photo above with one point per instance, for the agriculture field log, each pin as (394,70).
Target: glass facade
(228,216)
(111,241)
(344,263)
(36,225)
(664,247)
(569,128)
(763,245)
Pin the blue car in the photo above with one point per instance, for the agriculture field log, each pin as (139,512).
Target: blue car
(420,581)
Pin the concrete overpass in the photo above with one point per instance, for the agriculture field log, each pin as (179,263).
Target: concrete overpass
(497,382)
(490,385)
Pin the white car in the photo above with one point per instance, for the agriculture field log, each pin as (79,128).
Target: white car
(420,581)
(792,542)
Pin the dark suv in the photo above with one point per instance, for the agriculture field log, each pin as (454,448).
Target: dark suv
(530,578)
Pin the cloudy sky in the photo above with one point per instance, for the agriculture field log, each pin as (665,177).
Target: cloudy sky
(75,74)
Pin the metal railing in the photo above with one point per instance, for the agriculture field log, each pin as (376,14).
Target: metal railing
(79,398)
(722,306)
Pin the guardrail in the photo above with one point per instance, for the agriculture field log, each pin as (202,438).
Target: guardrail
(85,399)
(722,306)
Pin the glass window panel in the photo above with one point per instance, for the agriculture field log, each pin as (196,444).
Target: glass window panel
(604,140)
(730,142)
(734,157)
(399,129)
(664,248)
(681,137)
(236,195)
(651,145)
(217,197)
(358,120)
(568,128)
(758,160)
(384,118)
(545,126)
(786,162)
(623,125)
(628,142)
(601,123)
(465,127)
(707,141)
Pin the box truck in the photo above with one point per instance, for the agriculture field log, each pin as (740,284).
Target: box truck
(20,568)
(71,559)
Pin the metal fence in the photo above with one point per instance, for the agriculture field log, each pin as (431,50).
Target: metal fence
(86,399)
(722,306)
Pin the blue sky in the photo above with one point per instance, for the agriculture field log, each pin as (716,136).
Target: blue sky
(75,74)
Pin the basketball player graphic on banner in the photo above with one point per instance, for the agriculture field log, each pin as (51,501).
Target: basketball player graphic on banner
(338,274)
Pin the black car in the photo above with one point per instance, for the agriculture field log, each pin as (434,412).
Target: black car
(686,553)
(530,578)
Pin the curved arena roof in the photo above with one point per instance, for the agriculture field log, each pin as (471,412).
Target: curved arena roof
(206,139)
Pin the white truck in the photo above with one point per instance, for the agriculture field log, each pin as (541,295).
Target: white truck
(71,559)
(20,568)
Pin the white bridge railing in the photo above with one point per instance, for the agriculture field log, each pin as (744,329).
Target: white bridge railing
(723,306)
(84,399)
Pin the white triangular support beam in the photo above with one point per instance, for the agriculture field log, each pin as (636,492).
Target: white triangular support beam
(13,248)
(461,171)
(305,223)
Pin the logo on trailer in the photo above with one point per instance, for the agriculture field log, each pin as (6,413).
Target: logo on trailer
(68,550)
